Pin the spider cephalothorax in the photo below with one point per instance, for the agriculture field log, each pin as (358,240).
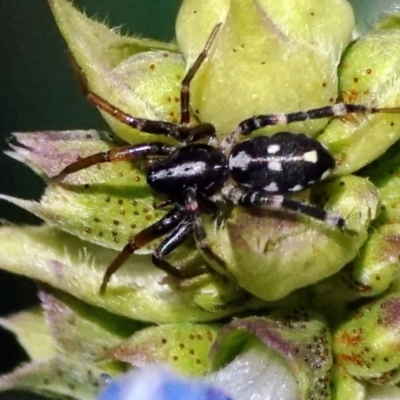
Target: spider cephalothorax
(262,171)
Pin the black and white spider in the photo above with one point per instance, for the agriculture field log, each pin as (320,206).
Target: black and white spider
(264,170)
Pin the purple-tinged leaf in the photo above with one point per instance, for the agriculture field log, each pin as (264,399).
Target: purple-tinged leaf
(32,332)
(80,329)
(59,378)
(300,337)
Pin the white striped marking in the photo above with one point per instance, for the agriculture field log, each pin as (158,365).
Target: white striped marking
(187,169)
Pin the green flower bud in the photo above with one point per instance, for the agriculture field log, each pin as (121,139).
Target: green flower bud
(140,76)
(299,336)
(344,386)
(263,60)
(184,346)
(269,254)
(368,75)
(367,344)
(385,174)
(372,272)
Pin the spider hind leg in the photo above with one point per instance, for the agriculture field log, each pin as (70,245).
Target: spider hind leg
(279,202)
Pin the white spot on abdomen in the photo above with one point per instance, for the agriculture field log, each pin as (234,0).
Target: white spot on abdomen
(296,188)
(272,187)
(310,156)
(275,165)
(273,148)
(241,160)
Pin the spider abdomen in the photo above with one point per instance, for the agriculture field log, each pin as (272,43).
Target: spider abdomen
(197,166)
(281,163)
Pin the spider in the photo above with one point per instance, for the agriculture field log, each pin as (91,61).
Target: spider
(258,172)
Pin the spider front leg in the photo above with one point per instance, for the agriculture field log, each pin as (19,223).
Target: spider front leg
(169,222)
(279,202)
(185,92)
(118,154)
(181,131)
(142,124)
(192,206)
(173,240)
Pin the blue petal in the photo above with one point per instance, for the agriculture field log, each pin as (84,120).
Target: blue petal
(158,383)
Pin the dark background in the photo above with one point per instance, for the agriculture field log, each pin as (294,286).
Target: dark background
(38,92)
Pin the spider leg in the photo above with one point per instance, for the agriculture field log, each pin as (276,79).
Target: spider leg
(163,204)
(142,124)
(179,132)
(185,92)
(211,206)
(118,154)
(337,110)
(193,210)
(278,202)
(147,235)
(170,243)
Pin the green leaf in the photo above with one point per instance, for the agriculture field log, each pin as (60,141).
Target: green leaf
(139,290)
(32,333)
(105,204)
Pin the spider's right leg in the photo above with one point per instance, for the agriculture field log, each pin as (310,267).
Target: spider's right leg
(279,202)
(147,235)
(118,154)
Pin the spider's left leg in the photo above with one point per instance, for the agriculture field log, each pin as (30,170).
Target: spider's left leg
(192,207)
(279,202)
(118,154)
(142,124)
(169,222)
(174,239)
